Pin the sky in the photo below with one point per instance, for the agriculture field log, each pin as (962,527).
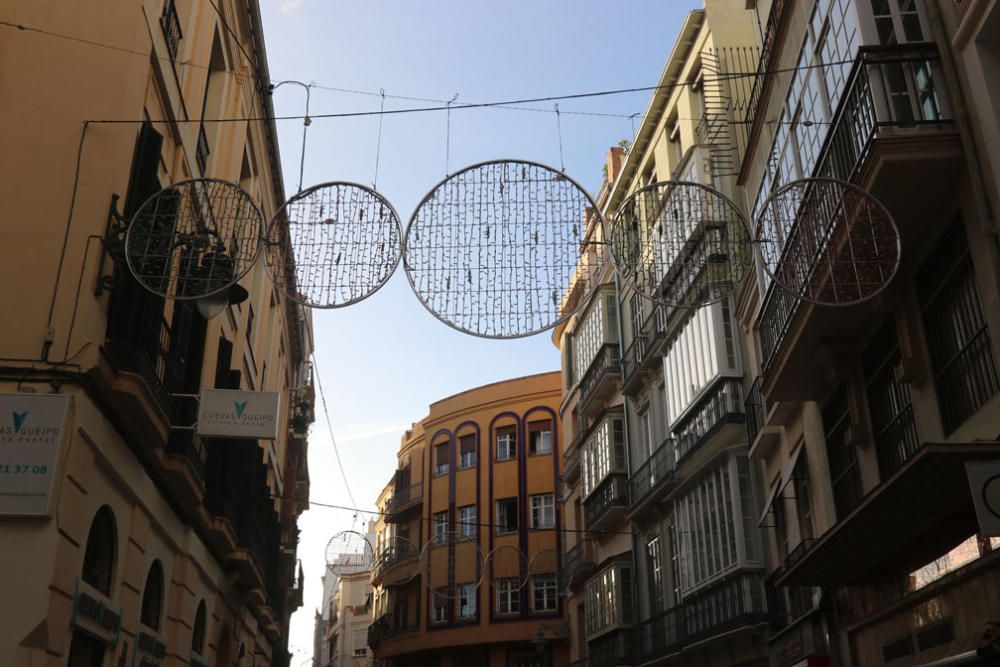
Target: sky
(382,362)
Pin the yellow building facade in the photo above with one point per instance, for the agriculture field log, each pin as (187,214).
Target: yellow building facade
(152,545)
(468,546)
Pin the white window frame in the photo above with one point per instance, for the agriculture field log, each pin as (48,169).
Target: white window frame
(440,526)
(466,523)
(536,438)
(543,511)
(546,584)
(508,597)
(507,446)
(467,459)
(439,610)
(467,602)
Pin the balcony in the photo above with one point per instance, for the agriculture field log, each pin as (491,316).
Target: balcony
(892,130)
(734,603)
(607,503)
(601,379)
(720,405)
(661,635)
(774,32)
(184,466)
(571,465)
(396,564)
(643,353)
(654,478)
(404,499)
(578,563)
(632,363)
(614,649)
(899,526)
(388,627)
(171,26)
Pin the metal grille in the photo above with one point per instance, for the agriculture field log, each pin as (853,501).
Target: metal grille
(171,26)
(681,244)
(202,151)
(333,245)
(845,474)
(498,249)
(349,552)
(889,403)
(194,239)
(828,242)
(957,336)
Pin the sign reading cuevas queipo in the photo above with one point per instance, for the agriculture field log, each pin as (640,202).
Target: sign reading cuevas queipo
(31,431)
(227,413)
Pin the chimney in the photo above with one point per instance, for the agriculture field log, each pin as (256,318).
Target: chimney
(615,160)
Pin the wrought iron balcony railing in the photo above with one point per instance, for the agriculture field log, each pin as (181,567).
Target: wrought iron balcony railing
(405,497)
(753,408)
(768,49)
(733,602)
(610,494)
(663,634)
(171,26)
(654,473)
(891,90)
(151,355)
(632,357)
(578,563)
(720,405)
(607,363)
(388,627)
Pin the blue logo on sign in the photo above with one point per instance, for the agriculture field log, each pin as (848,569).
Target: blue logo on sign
(240,407)
(19,419)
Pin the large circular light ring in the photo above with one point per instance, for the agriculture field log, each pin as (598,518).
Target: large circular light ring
(399,562)
(507,563)
(681,244)
(827,242)
(349,552)
(449,559)
(333,244)
(193,239)
(498,249)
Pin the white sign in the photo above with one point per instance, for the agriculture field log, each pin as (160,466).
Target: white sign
(225,413)
(984,483)
(31,431)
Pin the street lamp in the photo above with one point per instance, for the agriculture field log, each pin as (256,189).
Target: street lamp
(560,631)
(306,122)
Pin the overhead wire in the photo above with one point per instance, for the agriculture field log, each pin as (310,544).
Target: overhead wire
(329,427)
(358,510)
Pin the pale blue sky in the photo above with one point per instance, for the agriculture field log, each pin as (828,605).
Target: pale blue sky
(383,361)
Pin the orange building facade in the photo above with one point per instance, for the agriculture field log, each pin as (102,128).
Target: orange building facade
(468,547)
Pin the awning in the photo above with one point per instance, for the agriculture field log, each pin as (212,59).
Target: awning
(918,514)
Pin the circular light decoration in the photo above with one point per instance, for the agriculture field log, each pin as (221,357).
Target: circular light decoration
(398,563)
(333,245)
(507,563)
(501,249)
(544,562)
(349,552)
(449,560)
(681,244)
(827,242)
(194,239)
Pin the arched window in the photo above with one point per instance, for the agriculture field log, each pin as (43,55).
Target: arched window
(152,597)
(198,636)
(99,556)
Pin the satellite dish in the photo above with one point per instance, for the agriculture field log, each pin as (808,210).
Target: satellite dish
(827,242)
(681,244)
(194,239)
(333,244)
(497,250)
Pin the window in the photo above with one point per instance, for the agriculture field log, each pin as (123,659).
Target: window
(99,556)
(508,596)
(441,459)
(543,593)
(889,405)
(897,21)
(440,524)
(654,575)
(780,520)
(507,515)
(198,633)
(540,434)
(608,599)
(845,475)
(440,614)
(467,600)
(543,511)
(360,642)
(958,340)
(506,443)
(467,521)
(803,501)
(646,432)
(467,451)
(152,598)
(602,453)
